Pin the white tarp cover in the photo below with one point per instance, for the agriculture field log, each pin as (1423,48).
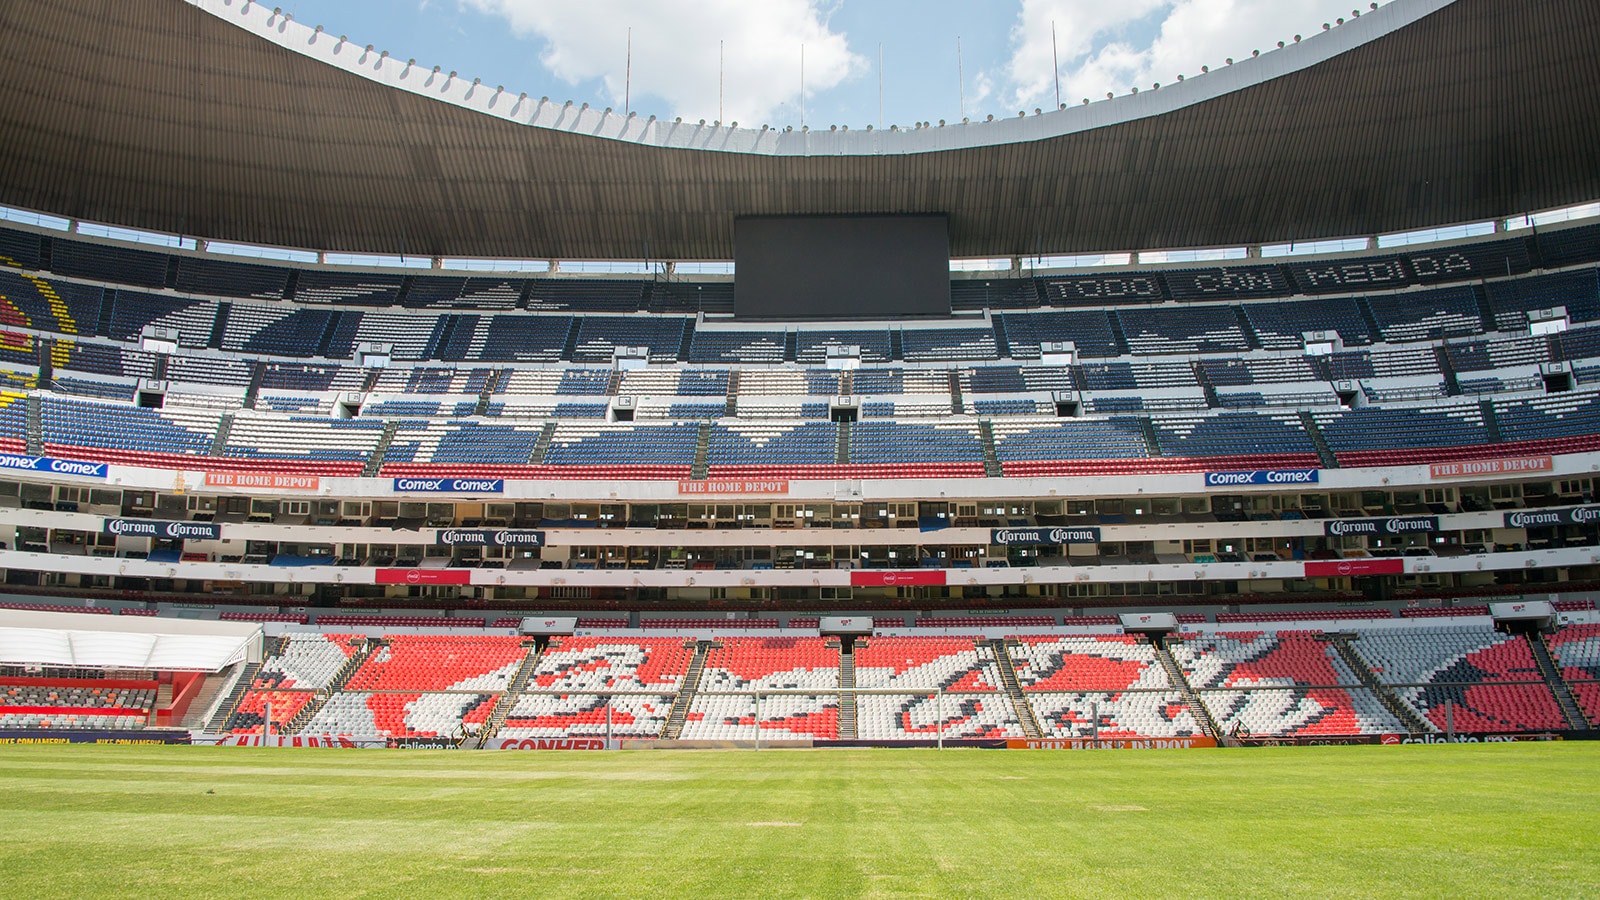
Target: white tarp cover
(125,642)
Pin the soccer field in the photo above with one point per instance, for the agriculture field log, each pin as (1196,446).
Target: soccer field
(1517,820)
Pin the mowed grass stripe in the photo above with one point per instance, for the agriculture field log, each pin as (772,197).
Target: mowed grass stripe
(1424,821)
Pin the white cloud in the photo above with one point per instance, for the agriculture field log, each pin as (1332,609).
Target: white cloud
(675,50)
(1096,56)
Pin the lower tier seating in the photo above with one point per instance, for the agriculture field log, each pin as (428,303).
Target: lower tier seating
(418,714)
(1119,714)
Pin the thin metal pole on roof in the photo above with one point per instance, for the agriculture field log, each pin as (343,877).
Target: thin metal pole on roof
(627,79)
(1055,63)
(802,85)
(961,79)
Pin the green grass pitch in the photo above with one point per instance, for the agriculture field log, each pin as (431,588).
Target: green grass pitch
(1436,821)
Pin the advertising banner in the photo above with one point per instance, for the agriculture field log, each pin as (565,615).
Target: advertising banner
(488,537)
(266,480)
(897,579)
(343,742)
(1338,567)
(422,576)
(53,466)
(450,485)
(1394,525)
(733,486)
(1262,476)
(157,528)
(1543,518)
(1506,465)
(1394,740)
(54,736)
(1082,534)
(1117,743)
(590,743)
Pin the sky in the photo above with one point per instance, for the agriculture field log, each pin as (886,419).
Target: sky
(865,62)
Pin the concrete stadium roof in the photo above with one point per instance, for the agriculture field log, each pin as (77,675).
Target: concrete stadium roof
(223,120)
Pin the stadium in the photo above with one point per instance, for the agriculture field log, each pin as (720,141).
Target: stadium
(347,402)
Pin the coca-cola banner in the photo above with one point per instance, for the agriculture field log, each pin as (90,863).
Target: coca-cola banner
(1345,567)
(897,579)
(1543,518)
(423,576)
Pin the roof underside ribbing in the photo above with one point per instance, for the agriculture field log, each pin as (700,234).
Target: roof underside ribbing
(155,114)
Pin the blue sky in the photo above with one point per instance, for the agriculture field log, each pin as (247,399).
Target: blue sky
(577,50)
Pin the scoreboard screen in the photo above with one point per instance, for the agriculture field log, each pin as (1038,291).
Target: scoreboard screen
(841,267)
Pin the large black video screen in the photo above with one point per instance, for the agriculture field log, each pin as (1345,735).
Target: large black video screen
(841,267)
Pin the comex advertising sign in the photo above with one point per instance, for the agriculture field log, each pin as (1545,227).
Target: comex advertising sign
(1001,537)
(155,528)
(450,485)
(1262,476)
(488,537)
(1385,527)
(53,466)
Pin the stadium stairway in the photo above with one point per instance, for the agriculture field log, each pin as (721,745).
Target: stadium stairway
(686,690)
(847,694)
(1452,386)
(35,433)
(519,683)
(375,461)
(1008,677)
(224,428)
(957,403)
(1570,710)
(991,459)
(1385,694)
(257,376)
(1491,422)
(198,715)
(340,679)
(702,450)
(1324,452)
(841,452)
(542,446)
(1175,675)
(229,706)
(1152,443)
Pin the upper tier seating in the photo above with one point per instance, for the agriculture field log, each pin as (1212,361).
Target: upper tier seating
(509,338)
(1427,314)
(1089,330)
(587,295)
(346,288)
(1513,299)
(276,330)
(1489,680)
(1234,434)
(132,311)
(432,292)
(812,346)
(28,301)
(1282,325)
(947,344)
(439,663)
(744,347)
(1245,370)
(1016,379)
(599,336)
(1183,329)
